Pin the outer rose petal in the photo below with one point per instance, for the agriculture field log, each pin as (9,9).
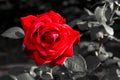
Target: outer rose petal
(27,21)
(58,61)
(69,52)
(73,40)
(38,60)
(56,18)
(44,19)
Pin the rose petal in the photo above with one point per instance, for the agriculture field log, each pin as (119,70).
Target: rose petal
(58,61)
(44,19)
(39,60)
(69,52)
(29,43)
(41,51)
(29,39)
(27,21)
(56,18)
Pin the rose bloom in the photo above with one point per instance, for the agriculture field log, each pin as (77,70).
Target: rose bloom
(48,39)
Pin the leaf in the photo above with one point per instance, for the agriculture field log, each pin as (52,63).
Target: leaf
(110,62)
(25,76)
(76,64)
(89,12)
(92,24)
(108,29)
(17,70)
(117,2)
(74,22)
(96,33)
(6,78)
(13,33)
(100,14)
(103,54)
(20,73)
(32,71)
(118,72)
(117,12)
(109,1)
(109,13)
(88,46)
(82,25)
(85,25)
(118,61)
(105,14)
(112,6)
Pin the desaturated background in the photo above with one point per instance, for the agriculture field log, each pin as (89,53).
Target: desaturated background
(12,10)
(11,52)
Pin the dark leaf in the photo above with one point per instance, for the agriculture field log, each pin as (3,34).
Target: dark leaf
(74,22)
(103,54)
(6,78)
(118,61)
(82,25)
(109,13)
(17,71)
(89,46)
(13,33)
(110,62)
(96,33)
(20,73)
(45,72)
(76,64)
(25,76)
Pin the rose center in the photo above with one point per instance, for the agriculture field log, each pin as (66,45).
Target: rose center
(50,37)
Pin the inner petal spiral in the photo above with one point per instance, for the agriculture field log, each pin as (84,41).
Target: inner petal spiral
(50,37)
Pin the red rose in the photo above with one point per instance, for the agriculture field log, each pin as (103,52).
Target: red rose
(48,39)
